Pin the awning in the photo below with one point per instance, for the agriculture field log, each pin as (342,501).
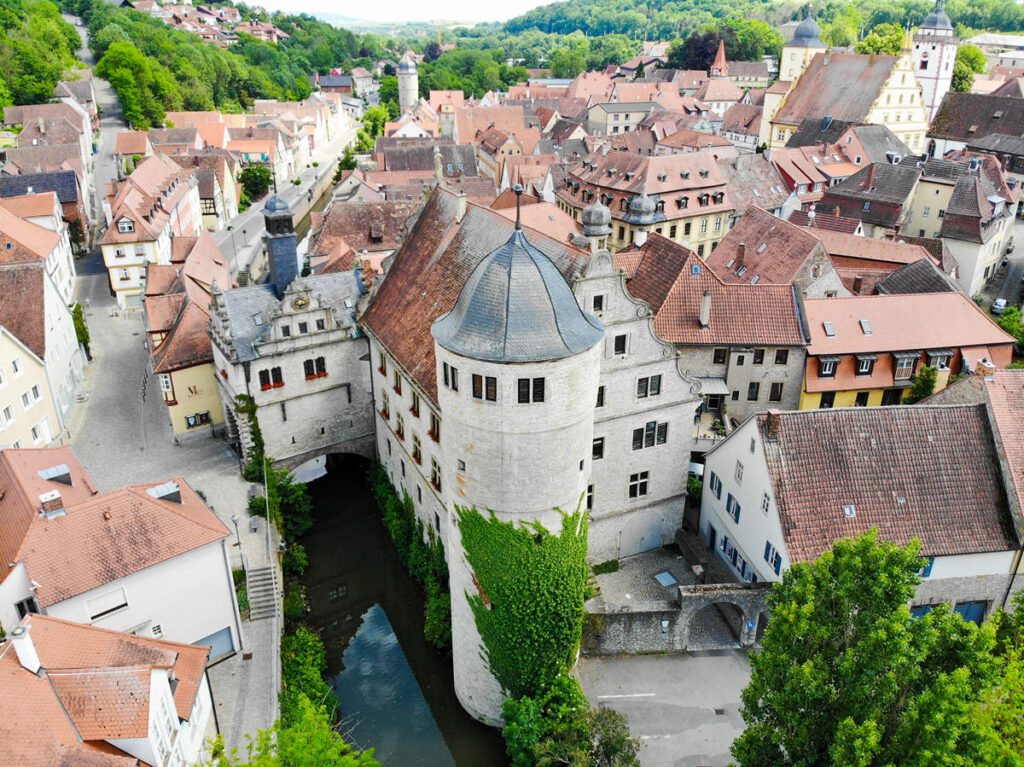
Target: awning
(713,386)
(868,357)
(828,358)
(906,355)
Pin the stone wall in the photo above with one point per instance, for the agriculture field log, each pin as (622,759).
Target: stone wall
(642,627)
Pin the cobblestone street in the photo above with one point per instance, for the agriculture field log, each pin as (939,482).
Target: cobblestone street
(123,436)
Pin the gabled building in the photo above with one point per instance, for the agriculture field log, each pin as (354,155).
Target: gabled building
(156,203)
(76,553)
(293,347)
(763,248)
(32,225)
(865,350)
(880,195)
(785,486)
(682,197)
(73,694)
(177,322)
(750,180)
(741,126)
(66,183)
(967,117)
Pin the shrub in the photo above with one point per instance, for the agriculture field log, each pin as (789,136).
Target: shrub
(294,601)
(295,560)
(611,566)
(693,488)
(240,589)
(303,665)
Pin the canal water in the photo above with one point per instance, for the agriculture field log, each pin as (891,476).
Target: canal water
(395,689)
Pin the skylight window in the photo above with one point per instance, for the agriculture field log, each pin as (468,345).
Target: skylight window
(762,247)
(849,511)
(865,325)
(741,271)
(756,278)
(695,269)
(257,319)
(830,331)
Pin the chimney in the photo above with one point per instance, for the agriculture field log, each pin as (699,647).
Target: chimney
(42,126)
(828,57)
(810,216)
(51,503)
(857,282)
(25,649)
(704,320)
(985,369)
(460,205)
(774,419)
(835,211)
(640,237)
(741,251)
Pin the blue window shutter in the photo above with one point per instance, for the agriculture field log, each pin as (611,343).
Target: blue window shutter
(736,512)
(928,567)
(778,563)
(767,551)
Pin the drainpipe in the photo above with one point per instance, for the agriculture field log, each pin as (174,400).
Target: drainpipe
(1013,574)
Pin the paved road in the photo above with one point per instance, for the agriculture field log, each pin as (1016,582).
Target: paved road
(1009,285)
(111,123)
(684,708)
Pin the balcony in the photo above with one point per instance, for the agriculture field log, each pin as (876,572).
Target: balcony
(709,429)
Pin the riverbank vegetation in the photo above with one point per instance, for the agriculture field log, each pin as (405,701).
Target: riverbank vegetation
(422,554)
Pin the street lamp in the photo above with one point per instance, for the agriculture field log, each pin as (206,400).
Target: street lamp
(238,539)
(234,245)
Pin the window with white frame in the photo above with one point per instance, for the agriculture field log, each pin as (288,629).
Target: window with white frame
(165,382)
(648,386)
(766,502)
(772,557)
(732,507)
(651,434)
(125,226)
(904,367)
(739,473)
(16,366)
(638,484)
(715,483)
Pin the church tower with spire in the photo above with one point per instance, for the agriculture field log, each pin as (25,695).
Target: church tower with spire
(934,54)
(720,66)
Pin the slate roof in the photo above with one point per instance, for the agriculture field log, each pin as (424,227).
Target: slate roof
(774,250)
(429,272)
(22,286)
(516,307)
(971,116)
(335,81)
(244,304)
(878,182)
(878,140)
(456,159)
(1000,143)
(922,276)
(661,273)
(912,472)
(844,88)
(63,182)
(751,180)
(818,130)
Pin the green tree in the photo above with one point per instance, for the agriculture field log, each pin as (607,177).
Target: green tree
(922,385)
(374,120)
(884,38)
(567,63)
(1010,321)
(963,78)
(847,677)
(81,329)
(972,56)
(255,181)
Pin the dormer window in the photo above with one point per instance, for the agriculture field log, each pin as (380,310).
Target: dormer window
(827,367)
(125,226)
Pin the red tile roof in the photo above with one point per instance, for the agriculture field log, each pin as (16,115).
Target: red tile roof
(774,250)
(665,278)
(911,472)
(841,85)
(22,286)
(1005,390)
(900,323)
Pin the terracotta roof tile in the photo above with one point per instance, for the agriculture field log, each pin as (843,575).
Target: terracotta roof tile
(106,704)
(912,472)
(842,85)
(774,250)
(20,238)
(22,286)
(1005,389)
(370,226)
(131,142)
(899,323)
(825,221)
(672,280)
(852,246)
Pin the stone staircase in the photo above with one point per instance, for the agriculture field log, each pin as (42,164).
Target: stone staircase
(263,594)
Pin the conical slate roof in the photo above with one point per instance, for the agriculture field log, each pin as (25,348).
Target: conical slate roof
(516,307)
(808,35)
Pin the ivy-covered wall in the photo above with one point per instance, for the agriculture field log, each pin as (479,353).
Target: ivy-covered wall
(528,606)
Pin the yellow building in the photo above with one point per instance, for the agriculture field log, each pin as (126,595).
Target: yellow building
(27,415)
(867,88)
(177,316)
(864,351)
(798,52)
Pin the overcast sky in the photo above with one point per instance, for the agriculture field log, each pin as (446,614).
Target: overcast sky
(410,10)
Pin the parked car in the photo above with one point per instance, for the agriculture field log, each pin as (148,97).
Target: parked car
(998,306)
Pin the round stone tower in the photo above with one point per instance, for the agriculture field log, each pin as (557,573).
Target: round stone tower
(517,374)
(408,84)
(934,54)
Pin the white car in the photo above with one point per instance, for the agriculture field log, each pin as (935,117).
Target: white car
(999,306)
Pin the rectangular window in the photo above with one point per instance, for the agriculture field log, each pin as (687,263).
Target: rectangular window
(715,483)
(276,378)
(826,368)
(455,377)
(590,497)
(772,557)
(620,344)
(686,229)
(732,507)
(523,388)
(828,399)
(446,375)
(385,405)
(105,604)
(775,393)
(739,473)
(649,386)
(398,382)
(309,367)
(740,359)
(26,606)
(638,484)
(718,356)
(598,451)
(415,407)
(382,368)
(781,356)
(435,427)
(703,225)
(904,368)
(538,389)
(417,449)
(753,391)
(478,386)
(435,474)
(672,232)
(651,434)
(286,331)
(320,325)
(264,379)
(862,399)
(303,327)
(165,382)
(598,303)
(766,502)
(600,396)
(321,367)
(490,388)
(758,356)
